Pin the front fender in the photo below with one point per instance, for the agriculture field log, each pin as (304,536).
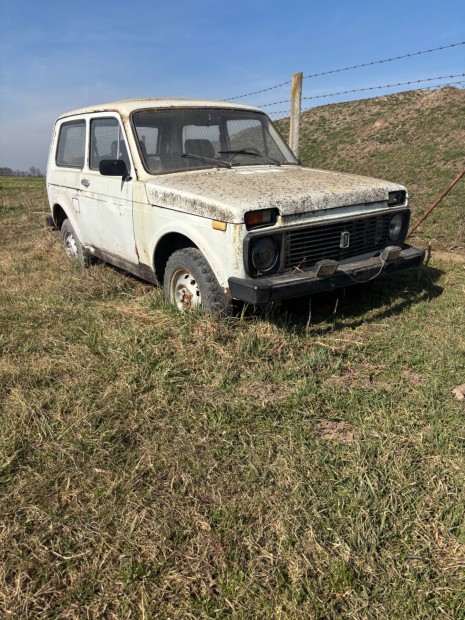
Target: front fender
(201,241)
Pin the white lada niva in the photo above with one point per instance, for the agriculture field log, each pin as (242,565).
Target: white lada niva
(206,199)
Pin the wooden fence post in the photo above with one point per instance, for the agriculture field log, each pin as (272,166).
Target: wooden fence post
(296,108)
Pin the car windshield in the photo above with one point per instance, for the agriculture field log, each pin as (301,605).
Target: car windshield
(187,138)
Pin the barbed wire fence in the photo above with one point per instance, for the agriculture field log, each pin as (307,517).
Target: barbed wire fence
(281,114)
(292,108)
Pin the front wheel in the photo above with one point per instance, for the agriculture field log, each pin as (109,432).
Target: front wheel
(190,284)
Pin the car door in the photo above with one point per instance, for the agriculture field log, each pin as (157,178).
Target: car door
(64,167)
(106,201)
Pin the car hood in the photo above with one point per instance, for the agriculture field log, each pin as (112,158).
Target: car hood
(226,194)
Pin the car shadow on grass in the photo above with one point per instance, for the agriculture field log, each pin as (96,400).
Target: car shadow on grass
(353,306)
(344,308)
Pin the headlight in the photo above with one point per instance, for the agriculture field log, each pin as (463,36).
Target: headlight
(395,226)
(397,198)
(264,254)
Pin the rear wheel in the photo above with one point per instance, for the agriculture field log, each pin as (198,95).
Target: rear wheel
(190,284)
(72,246)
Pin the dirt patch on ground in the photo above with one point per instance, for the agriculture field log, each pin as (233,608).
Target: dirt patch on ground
(365,378)
(263,392)
(260,393)
(372,379)
(413,377)
(452,257)
(331,430)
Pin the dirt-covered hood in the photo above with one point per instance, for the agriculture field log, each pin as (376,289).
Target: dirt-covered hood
(226,194)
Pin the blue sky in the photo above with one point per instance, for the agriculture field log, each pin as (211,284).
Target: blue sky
(56,56)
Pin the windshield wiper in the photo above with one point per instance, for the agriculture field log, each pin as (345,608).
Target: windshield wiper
(209,160)
(253,153)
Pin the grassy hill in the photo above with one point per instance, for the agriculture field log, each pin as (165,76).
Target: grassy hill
(416,138)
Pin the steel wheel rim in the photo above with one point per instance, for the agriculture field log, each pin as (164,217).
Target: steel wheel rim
(70,245)
(185,291)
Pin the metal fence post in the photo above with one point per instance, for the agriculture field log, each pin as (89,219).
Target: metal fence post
(296,108)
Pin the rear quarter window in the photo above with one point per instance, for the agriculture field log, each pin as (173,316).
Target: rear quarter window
(71,145)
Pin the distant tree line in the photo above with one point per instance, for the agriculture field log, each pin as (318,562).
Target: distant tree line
(32,172)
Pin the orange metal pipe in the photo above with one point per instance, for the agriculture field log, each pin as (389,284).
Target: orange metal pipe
(435,203)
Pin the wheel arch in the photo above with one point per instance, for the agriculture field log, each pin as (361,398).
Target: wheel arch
(169,243)
(59,215)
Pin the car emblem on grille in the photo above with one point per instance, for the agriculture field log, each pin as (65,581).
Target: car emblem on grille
(345,240)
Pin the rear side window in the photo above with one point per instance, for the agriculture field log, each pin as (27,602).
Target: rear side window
(107,142)
(71,145)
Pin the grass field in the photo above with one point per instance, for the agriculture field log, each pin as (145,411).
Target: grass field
(302,462)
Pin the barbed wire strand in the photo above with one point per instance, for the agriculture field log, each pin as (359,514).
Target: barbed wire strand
(359,90)
(379,62)
(364,64)
(434,86)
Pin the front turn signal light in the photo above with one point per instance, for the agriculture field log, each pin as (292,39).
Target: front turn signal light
(264,217)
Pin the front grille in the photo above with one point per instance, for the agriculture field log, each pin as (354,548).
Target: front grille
(303,247)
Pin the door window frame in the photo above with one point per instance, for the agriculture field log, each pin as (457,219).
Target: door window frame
(103,116)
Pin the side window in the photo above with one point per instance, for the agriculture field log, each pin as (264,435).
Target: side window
(71,145)
(107,142)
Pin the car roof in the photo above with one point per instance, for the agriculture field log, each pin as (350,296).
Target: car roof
(126,106)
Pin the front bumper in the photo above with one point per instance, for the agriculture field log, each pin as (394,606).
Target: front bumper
(300,283)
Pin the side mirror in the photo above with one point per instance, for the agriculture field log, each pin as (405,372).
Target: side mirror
(114,168)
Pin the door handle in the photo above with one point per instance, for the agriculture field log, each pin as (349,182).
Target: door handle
(85,182)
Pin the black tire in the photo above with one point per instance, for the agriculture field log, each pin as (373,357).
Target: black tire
(72,245)
(189,283)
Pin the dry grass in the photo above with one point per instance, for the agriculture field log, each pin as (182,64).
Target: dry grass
(161,466)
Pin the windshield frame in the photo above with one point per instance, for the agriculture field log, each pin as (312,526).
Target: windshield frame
(288,157)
